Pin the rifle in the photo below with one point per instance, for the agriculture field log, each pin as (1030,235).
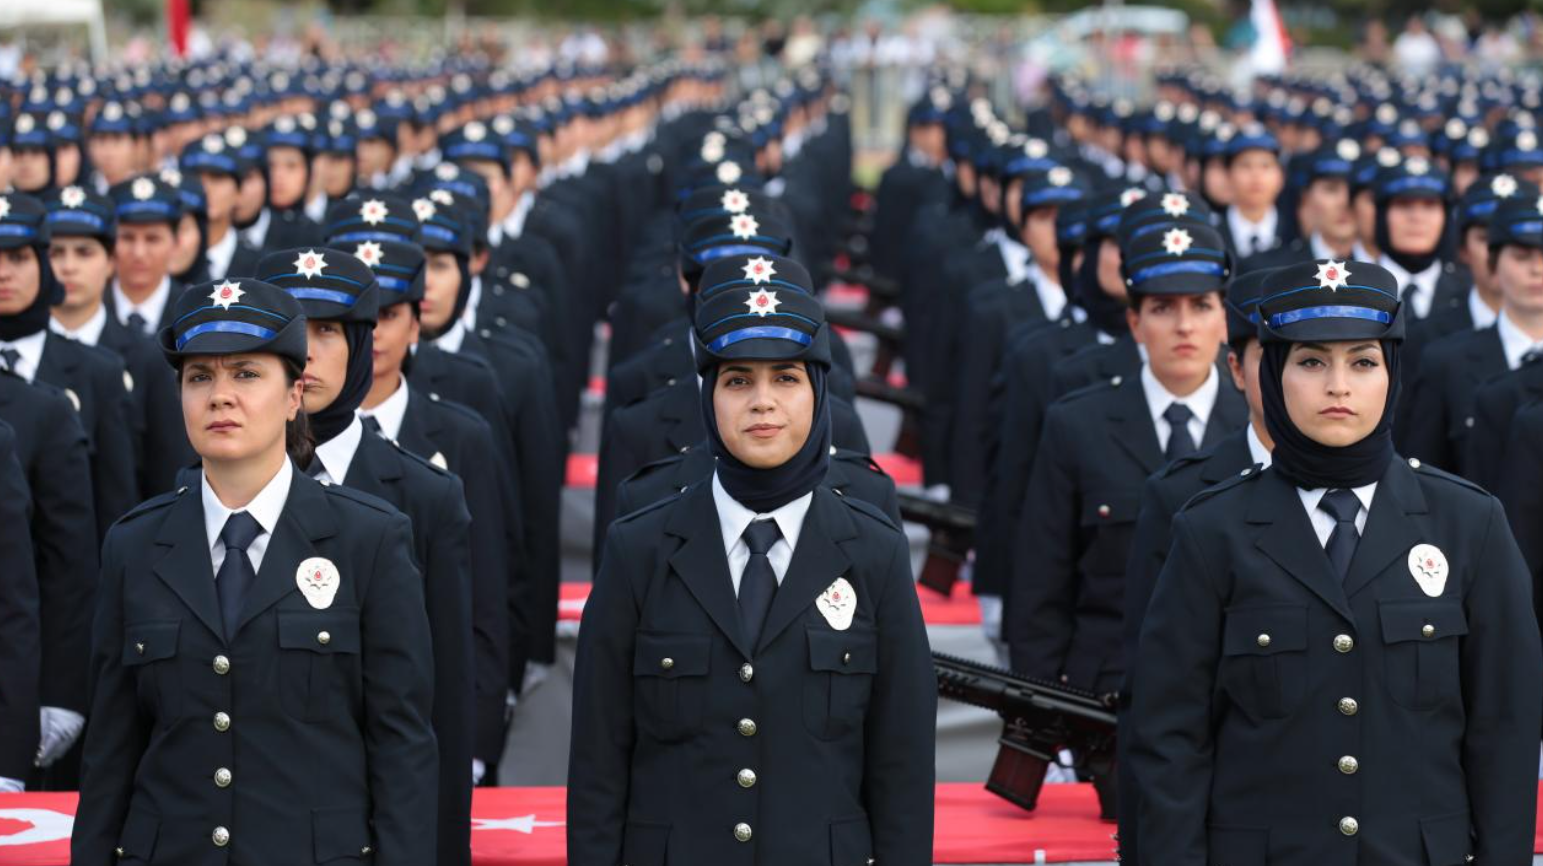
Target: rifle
(909,401)
(1041,719)
(951,531)
(889,337)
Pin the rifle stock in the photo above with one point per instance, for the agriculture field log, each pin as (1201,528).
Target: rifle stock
(951,534)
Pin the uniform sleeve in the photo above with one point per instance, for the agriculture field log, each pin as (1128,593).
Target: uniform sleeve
(980,351)
(399,694)
(1521,488)
(1038,619)
(538,437)
(113,465)
(900,729)
(112,751)
(65,541)
(1148,551)
(1503,696)
(448,603)
(1172,751)
(19,626)
(1425,422)
(1486,439)
(490,569)
(600,760)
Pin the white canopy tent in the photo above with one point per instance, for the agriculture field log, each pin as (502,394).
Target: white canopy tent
(16,14)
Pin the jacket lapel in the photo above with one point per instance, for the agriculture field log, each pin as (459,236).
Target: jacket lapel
(1287,538)
(185,566)
(1231,457)
(703,564)
(1228,416)
(1131,427)
(58,363)
(307,517)
(420,425)
(1389,533)
(679,407)
(817,562)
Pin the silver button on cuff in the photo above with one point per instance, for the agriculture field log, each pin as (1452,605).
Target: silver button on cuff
(221,665)
(222,778)
(1348,706)
(139,648)
(324,637)
(220,837)
(667,663)
(742,832)
(747,727)
(1263,640)
(1349,765)
(1349,826)
(746,673)
(1428,631)
(747,778)
(1344,643)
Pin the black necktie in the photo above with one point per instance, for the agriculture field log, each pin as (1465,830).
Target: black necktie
(1254,243)
(1343,506)
(371,425)
(12,358)
(1180,443)
(316,468)
(137,324)
(758,585)
(236,573)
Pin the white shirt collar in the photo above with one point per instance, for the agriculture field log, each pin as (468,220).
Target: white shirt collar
(150,310)
(1015,258)
(453,337)
(1243,231)
(514,223)
(1323,522)
(1418,289)
(256,234)
(1160,398)
(266,506)
(220,254)
(734,517)
(473,298)
(89,333)
(337,453)
(1321,250)
(1256,450)
(31,349)
(391,411)
(1052,297)
(1479,311)
(1514,341)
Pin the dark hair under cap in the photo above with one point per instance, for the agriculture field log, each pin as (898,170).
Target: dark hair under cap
(330,284)
(79,212)
(1485,195)
(146,199)
(371,216)
(1517,221)
(1175,258)
(1242,304)
(234,317)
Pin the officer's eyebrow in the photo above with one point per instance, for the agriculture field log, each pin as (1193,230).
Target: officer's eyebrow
(1364,347)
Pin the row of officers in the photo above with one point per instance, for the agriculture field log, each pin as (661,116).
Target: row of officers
(1241,484)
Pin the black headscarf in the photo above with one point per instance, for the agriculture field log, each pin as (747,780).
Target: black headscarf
(35,317)
(766,490)
(1105,311)
(335,418)
(1309,464)
(1411,262)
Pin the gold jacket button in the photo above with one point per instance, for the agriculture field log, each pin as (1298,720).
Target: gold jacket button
(747,778)
(221,665)
(747,727)
(222,778)
(1344,643)
(1349,826)
(666,663)
(1263,640)
(222,722)
(324,637)
(1348,706)
(1349,765)
(746,673)
(742,832)
(1428,631)
(220,837)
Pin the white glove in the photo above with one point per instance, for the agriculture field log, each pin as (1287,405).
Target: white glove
(990,616)
(478,770)
(536,673)
(11,786)
(61,728)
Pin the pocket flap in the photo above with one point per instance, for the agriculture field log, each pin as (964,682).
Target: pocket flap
(320,631)
(140,829)
(147,642)
(851,841)
(1101,508)
(854,651)
(1237,846)
(1406,620)
(671,655)
(1263,630)
(1448,839)
(339,833)
(645,844)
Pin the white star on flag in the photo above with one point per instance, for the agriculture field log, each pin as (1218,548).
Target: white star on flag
(762,302)
(735,201)
(72,196)
(526,824)
(1175,204)
(744,226)
(759,270)
(1332,275)
(423,209)
(310,264)
(1503,186)
(368,252)
(225,294)
(1177,242)
(373,211)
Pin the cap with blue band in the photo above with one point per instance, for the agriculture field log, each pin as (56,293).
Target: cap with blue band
(234,317)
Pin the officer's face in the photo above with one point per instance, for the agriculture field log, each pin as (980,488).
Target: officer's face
(1364,203)
(1475,254)
(67,165)
(83,267)
(1245,375)
(375,156)
(1326,210)
(253,195)
(235,406)
(1218,183)
(1039,237)
(441,285)
(1181,334)
(1256,178)
(1519,273)
(1109,278)
(113,156)
(336,174)
(29,171)
(326,363)
(1415,224)
(143,254)
(220,190)
(1335,392)
(764,410)
(19,276)
(396,329)
(286,176)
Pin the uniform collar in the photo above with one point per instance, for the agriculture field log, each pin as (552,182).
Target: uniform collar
(1015,258)
(266,506)
(1479,311)
(1243,230)
(1159,398)
(220,255)
(453,337)
(391,411)
(734,517)
(1514,341)
(31,349)
(256,234)
(1364,494)
(150,310)
(1256,450)
(1052,297)
(1418,289)
(514,223)
(337,453)
(89,333)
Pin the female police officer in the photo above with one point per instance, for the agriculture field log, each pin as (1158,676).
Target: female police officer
(1339,664)
(244,625)
(753,682)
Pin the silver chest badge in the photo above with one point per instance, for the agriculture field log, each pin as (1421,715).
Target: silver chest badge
(837,604)
(318,580)
(1429,566)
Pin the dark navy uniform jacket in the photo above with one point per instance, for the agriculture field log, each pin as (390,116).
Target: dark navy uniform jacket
(1437,413)
(163,448)
(20,625)
(1285,716)
(836,727)
(319,716)
(1494,405)
(95,378)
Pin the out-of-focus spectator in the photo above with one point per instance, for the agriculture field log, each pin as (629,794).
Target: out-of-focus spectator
(1416,51)
(1496,49)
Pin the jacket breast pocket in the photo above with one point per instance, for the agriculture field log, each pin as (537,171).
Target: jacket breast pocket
(1264,658)
(150,656)
(1421,651)
(319,661)
(669,677)
(1107,519)
(840,679)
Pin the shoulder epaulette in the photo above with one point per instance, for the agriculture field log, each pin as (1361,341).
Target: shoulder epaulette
(413,458)
(652,467)
(360,497)
(1244,476)
(867,508)
(651,507)
(152,504)
(1425,471)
